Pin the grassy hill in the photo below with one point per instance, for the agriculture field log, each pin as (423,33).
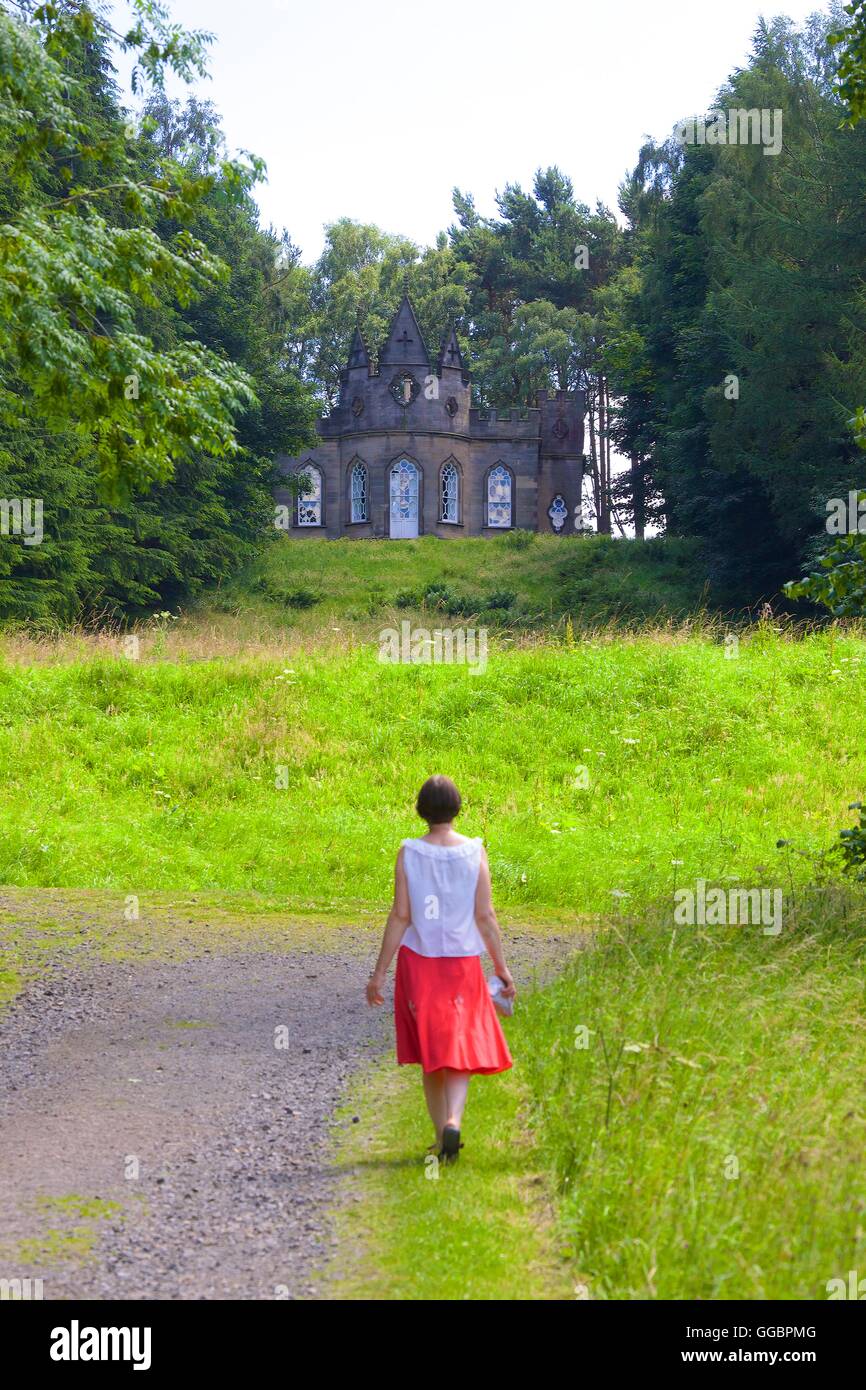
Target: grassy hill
(518,579)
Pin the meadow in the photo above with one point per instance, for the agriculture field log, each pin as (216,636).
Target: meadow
(689,1099)
(599,771)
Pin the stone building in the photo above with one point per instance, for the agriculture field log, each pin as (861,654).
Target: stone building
(404,453)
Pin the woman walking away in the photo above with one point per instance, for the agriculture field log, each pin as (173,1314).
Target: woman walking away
(442,921)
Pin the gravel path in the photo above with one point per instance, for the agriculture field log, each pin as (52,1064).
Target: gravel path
(196,1095)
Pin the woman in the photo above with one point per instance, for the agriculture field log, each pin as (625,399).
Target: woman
(442,921)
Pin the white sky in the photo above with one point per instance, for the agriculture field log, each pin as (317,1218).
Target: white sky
(375,111)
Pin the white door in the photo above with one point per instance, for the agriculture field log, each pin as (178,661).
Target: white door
(404,500)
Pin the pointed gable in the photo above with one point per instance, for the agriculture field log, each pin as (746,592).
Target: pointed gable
(450,354)
(404,346)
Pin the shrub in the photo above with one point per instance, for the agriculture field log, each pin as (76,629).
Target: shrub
(439,596)
(854,845)
(518,539)
(299,598)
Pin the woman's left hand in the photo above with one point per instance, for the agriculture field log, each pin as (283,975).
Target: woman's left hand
(375,985)
(510,990)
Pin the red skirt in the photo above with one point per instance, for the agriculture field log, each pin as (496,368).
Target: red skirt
(444,1015)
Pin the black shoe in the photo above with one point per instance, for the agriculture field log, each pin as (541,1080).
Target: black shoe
(451,1145)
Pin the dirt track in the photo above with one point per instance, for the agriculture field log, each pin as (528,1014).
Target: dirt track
(160,1088)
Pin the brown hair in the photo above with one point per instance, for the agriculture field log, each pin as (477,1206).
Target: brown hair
(438,801)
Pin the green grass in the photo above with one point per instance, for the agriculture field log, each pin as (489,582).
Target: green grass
(708,1142)
(10,984)
(138,776)
(594,579)
(690,1102)
(479,1229)
(64,1242)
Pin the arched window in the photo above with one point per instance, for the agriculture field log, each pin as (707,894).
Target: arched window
(499,496)
(310,495)
(449,492)
(359,510)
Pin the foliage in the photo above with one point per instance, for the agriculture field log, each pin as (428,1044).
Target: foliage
(852,62)
(144,389)
(838,578)
(735,336)
(80,258)
(854,844)
(839,581)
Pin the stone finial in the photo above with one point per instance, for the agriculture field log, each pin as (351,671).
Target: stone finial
(358,354)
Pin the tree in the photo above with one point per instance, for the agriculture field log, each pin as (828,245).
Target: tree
(118,545)
(838,578)
(359,280)
(736,345)
(852,61)
(81,259)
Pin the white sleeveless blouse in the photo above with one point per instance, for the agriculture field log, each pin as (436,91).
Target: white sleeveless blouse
(442,882)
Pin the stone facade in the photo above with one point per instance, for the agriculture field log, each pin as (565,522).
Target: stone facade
(405,453)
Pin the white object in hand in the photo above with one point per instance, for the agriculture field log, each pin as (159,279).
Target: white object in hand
(502,1005)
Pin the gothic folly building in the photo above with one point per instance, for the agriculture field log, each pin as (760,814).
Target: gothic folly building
(405,453)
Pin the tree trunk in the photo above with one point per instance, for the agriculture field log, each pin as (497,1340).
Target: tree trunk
(603,461)
(593,457)
(638,499)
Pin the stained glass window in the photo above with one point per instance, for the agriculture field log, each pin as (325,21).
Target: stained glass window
(450,493)
(310,497)
(499,496)
(359,492)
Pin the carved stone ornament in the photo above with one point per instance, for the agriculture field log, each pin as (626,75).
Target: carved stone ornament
(404,388)
(558,512)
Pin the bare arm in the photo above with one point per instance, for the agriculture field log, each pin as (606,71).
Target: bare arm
(485,918)
(398,920)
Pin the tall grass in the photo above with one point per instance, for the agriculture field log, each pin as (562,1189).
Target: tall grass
(706,1133)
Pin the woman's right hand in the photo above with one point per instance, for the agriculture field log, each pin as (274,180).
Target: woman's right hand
(375,990)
